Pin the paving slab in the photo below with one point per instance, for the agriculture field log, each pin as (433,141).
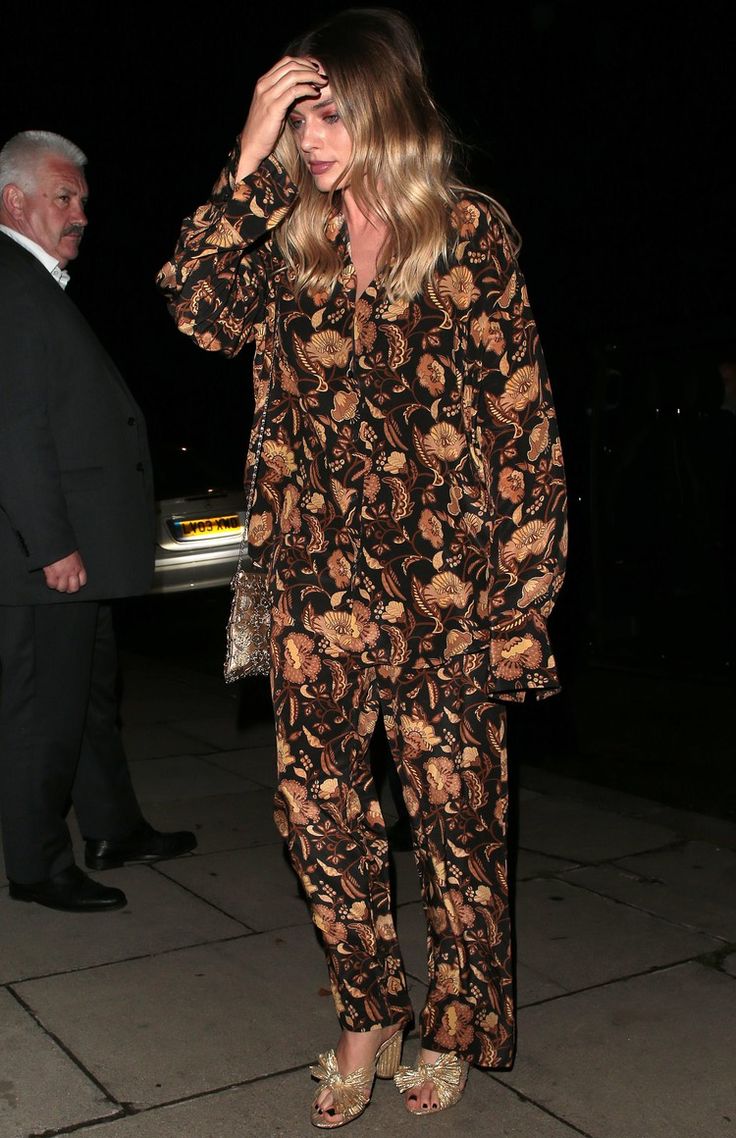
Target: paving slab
(649,1057)
(158,700)
(534,985)
(694,883)
(140,672)
(220,821)
(154,740)
(686,823)
(691,824)
(160,915)
(582,833)
(529,863)
(257,764)
(278,1107)
(256,886)
(184,776)
(227,734)
(40,1087)
(190,1021)
(195,1020)
(577,938)
(162,702)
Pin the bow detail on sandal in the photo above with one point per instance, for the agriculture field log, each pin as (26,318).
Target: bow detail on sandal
(448,1076)
(352,1093)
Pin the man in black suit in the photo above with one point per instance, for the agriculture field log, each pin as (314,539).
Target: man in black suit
(76,530)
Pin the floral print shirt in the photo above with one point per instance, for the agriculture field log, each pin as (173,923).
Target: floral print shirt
(410,498)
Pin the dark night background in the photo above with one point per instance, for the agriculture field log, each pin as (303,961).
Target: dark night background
(607,131)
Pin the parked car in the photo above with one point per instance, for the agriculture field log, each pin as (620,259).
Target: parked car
(197,540)
(200,515)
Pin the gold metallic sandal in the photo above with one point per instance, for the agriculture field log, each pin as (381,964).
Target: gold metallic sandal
(352,1093)
(448,1075)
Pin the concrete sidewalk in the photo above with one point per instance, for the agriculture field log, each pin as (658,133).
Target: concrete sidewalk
(195,1011)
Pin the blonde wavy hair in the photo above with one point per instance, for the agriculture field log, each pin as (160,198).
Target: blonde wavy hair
(400,168)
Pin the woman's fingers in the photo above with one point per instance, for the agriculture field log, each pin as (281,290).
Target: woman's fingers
(289,63)
(290,79)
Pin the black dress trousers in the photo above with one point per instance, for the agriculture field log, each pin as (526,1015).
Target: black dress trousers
(59,740)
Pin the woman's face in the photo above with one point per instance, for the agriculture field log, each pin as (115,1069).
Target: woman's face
(323,141)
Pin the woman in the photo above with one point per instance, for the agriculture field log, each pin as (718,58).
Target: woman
(410,512)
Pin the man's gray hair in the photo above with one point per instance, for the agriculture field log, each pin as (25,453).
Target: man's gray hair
(20,157)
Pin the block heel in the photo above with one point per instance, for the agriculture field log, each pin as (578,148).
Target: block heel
(388,1057)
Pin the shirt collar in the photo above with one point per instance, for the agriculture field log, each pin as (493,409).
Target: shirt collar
(50,263)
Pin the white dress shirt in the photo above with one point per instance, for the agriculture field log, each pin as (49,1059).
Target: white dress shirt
(60,275)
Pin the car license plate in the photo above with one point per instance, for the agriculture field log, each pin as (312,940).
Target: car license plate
(199,529)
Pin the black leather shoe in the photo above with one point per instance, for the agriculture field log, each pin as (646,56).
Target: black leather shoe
(72,891)
(143,844)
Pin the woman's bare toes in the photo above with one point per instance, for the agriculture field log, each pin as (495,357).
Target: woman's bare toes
(422,1099)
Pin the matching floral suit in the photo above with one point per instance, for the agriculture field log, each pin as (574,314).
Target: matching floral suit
(410,510)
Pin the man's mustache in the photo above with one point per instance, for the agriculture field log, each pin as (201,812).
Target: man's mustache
(76,230)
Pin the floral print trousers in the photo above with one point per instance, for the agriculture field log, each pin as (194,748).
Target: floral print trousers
(448,739)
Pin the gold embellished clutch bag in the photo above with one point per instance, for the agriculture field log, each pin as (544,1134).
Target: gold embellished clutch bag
(249,624)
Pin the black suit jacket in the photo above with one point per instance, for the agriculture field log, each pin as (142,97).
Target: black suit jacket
(75,471)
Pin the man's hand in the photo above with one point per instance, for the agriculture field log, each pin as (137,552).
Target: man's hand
(68,575)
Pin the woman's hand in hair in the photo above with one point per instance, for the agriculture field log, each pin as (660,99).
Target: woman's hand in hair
(290,79)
